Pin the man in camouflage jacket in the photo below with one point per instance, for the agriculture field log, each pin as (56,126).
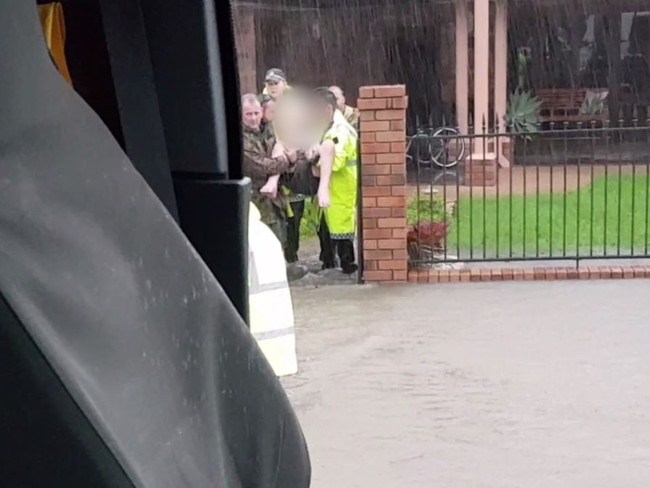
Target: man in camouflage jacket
(350,114)
(260,162)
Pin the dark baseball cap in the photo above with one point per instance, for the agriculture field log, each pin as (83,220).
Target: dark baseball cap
(275,75)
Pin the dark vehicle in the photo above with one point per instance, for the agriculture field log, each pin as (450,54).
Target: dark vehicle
(123,362)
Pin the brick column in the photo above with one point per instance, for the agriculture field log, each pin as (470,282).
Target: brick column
(245,42)
(383,169)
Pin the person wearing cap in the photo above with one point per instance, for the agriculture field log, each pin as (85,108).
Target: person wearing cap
(275,83)
(337,191)
(350,114)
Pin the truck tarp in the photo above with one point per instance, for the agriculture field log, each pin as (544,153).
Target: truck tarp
(122,363)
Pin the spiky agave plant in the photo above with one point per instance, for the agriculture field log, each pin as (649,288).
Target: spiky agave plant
(522,116)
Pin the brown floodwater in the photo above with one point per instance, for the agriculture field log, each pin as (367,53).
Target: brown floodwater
(478,385)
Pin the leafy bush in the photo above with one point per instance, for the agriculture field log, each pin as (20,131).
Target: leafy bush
(426,209)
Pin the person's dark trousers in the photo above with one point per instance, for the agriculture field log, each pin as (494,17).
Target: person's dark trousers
(326,245)
(329,247)
(293,231)
(279,226)
(345,250)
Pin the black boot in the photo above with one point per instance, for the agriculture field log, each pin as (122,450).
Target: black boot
(345,250)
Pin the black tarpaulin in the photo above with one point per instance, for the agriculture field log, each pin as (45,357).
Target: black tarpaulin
(122,362)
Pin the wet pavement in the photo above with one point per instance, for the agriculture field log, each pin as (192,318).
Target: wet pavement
(475,385)
(308,271)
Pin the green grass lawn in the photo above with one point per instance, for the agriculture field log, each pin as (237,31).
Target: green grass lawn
(608,215)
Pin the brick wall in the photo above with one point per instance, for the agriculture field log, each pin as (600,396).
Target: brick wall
(383,169)
(384,203)
(244,27)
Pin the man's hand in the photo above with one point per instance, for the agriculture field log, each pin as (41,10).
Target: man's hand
(282,157)
(291,155)
(323,196)
(313,152)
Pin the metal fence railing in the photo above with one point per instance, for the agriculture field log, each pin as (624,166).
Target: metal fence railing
(571,192)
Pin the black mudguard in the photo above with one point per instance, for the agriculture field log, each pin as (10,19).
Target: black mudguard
(122,362)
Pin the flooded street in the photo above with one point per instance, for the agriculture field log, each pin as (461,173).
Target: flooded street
(509,385)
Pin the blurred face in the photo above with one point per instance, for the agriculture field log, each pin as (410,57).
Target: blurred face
(275,88)
(340,98)
(269,111)
(297,121)
(252,115)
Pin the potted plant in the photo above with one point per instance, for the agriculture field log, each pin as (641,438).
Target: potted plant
(521,120)
(430,221)
(426,239)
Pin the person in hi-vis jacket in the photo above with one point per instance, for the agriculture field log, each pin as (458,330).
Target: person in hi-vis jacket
(337,191)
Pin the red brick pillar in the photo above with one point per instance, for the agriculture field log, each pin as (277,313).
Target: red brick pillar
(383,170)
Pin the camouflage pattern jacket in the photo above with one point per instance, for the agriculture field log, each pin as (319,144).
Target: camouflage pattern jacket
(258,166)
(351,114)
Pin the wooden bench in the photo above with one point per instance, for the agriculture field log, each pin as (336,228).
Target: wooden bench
(562,105)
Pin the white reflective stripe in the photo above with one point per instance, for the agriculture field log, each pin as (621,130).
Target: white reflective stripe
(352,163)
(257,291)
(254,285)
(253,278)
(254,289)
(274,334)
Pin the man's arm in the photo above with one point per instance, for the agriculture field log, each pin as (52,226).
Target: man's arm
(327,152)
(259,165)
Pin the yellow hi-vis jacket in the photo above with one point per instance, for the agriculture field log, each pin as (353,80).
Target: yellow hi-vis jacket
(339,117)
(269,301)
(342,213)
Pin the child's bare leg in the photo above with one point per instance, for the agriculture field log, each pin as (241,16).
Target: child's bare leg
(270,188)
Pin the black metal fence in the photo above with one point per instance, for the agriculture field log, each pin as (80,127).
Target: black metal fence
(570,192)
